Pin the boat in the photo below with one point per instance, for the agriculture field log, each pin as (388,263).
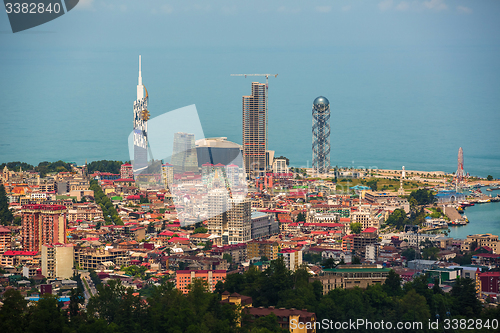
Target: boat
(489,189)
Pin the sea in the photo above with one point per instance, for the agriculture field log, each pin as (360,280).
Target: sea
(483,218)
(391,106)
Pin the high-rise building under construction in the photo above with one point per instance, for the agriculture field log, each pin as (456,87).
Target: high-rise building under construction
(254,129)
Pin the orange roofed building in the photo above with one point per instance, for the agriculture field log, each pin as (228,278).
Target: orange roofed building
(185,277)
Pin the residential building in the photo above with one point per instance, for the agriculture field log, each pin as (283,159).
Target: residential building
(43,224)
(57,261)
(292,258)
(263,225)
(167,175)
(239,224)
(280,166)
(359,275)
(238,252)
(481,240)
(262,248)
(366,237)
(255,129)
(5,239)
(91,258)
(489,283)
(294,320)
(184,278)
(126,171)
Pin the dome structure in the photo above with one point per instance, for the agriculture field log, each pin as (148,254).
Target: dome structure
(321,101)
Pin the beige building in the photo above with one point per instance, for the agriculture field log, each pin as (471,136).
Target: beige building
(481,240)
(57,261)
(357,275)
(239,223)
(257,248)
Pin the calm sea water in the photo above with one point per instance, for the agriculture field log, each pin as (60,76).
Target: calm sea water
(390,106)
(483,218)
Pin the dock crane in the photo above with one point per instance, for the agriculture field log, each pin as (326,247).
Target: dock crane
(267,87)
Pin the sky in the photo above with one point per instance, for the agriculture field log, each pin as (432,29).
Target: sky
(363,55)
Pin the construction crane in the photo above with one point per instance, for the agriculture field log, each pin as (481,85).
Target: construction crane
(267,87)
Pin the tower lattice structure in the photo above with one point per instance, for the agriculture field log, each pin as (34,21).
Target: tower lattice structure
(321,135)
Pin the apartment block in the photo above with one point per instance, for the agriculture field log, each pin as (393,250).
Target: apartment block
(57,261)
(256,248)
(184,278)
(43,224)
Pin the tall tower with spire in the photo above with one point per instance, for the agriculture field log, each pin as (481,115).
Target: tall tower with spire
(401,190)
(141,116)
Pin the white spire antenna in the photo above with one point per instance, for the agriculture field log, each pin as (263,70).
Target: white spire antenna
(140,87)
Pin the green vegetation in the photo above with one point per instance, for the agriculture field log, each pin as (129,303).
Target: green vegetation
(372,184)
(227,257)
(16,166)
(421,197)
(43,167)
(356,227)
(48,167)
(135,271)
(311,257)
(301,217)
(108,210)
(105,166)
(409,254)
(490,177)
(6,216)
(200,230)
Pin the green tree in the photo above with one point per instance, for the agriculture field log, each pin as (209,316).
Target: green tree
(490,177)
(464,298)
(6,216)
(46,316)
(12,313)
(356,227)
(409,254)
(301,217)
(208,246)
(392,285)
(227,257)
(200,230)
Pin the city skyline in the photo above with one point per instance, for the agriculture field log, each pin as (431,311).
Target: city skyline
(429,74)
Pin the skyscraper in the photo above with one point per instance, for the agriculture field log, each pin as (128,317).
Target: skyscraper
(141,116)
(43,224)
(321,135)
(184,156)
(254,129)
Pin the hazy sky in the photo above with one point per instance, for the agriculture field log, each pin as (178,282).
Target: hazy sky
(229,23)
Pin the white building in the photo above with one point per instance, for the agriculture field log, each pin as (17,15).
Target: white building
(279,166)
